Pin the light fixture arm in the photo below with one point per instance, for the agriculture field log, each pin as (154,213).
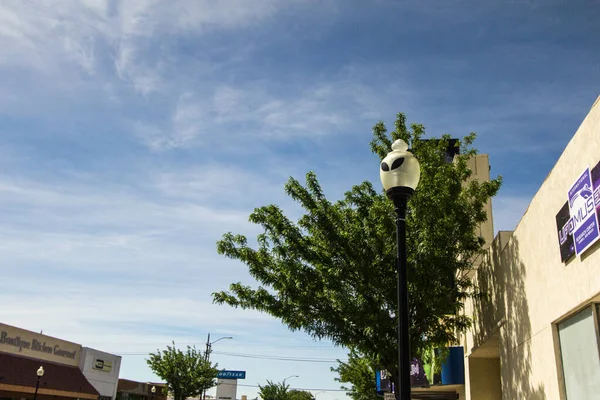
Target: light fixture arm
(224,337)
(291,376)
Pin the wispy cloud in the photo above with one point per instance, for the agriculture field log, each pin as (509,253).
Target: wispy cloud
(266,112)
(134,134)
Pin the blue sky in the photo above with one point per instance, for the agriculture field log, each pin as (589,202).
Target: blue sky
(133,134)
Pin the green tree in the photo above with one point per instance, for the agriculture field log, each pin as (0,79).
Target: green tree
(299,395)
(187,374)
(359,371)
(273,391)
(333,273)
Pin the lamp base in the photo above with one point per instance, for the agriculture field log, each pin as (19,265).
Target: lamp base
(400,196)
(401,192)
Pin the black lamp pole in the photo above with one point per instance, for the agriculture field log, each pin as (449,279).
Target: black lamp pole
(400,196)
(400,173)
(37,386)
(39,373)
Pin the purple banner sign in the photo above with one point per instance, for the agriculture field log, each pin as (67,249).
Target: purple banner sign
(577,222)
(565,233)
(583,213)
(417,373)
(596,185)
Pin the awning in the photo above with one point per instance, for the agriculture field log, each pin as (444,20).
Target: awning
(18,374)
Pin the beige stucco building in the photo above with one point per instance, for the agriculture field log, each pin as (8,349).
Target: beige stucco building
(535,334)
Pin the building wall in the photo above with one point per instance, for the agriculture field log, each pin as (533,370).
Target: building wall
(226,389)
(480,168)
(104,381)
(529,288)
(26,343)
(484,377)
(133,390)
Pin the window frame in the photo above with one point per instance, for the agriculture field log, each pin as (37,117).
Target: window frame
(595,307)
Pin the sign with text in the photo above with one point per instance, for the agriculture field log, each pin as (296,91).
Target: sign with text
(577,221)
(583,212)
(102,365)
(565,233)
(231,375)
(389,396)
(18,341)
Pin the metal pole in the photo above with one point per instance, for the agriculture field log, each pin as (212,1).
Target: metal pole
(207,358)
(37,385)
(403,385)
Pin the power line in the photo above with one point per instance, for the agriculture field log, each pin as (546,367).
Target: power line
(258,356)
(306,389)
(279,358)
(270,346)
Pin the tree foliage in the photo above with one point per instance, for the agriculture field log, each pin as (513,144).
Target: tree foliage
(273,391)
(333,272)
(295,394)
(280,391)
(187,374)
(360,372)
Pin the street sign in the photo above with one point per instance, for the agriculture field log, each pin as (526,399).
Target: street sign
(231,375)
(389,396)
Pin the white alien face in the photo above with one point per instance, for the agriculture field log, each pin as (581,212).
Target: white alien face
(399,168)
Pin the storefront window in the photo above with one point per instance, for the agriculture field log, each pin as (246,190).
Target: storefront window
(580,355)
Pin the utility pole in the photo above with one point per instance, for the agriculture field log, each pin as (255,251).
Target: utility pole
(208,346)
(207,358)
(207,354)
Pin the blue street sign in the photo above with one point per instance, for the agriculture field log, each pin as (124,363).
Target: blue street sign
(231,375)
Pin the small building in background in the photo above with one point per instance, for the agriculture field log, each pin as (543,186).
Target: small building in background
(133,390)
(70,370)
(101,370)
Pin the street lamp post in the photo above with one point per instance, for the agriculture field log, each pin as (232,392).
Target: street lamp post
(315,395)
(291,376)
(40,373)
(152,390)
(400,173)
(207,354)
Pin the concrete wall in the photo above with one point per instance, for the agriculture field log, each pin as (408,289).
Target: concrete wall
(529,289)
(480,168)
(485,378)
(226,389)
(105,382)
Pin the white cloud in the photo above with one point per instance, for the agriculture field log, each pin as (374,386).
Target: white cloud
(83,225)
(265,112)
(169,313)
(212,182)
(53,37)
(117,54)
(188,119)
